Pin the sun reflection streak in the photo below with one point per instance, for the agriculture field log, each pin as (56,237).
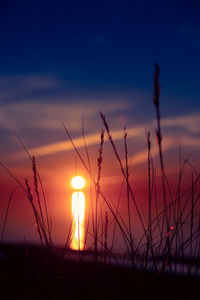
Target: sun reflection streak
(78,215)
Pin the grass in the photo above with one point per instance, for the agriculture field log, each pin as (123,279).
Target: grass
(168,239)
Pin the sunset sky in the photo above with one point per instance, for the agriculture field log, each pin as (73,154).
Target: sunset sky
(64,61)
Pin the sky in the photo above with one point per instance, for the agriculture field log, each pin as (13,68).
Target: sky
(65,61)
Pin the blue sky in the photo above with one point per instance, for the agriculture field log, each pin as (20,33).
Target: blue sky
(103,44)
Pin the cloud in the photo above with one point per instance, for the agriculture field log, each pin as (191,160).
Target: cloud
(48,114)
(141,156)
(45,111)
(190,122)
(190,142)
(187,125)
(13,87)
(137,132)
(42,102)
(90,139)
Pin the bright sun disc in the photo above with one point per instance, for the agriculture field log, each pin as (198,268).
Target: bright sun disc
(78,182)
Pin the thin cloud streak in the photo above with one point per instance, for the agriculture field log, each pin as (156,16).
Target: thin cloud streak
(48,115)
(90,139)
(141,156)
(191,122)
(134,132)
(13,87)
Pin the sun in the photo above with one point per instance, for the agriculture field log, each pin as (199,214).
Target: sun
(78,182)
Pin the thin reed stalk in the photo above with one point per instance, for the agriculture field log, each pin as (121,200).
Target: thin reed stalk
(156,101)
(106,238)
(191,221)
(127,181)
(91,207)
(36,189)
(7,210)
(149,236)
(37,175)
(99,165)
(37,218)
(128,194)
(122,168)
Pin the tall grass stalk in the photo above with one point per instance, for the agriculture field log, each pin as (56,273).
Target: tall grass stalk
(91,206)
(37,175)
(7,210)
(99,165)
(149,236)
(128,195)
(122,169)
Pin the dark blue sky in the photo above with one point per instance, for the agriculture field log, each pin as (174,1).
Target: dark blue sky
(104,44)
